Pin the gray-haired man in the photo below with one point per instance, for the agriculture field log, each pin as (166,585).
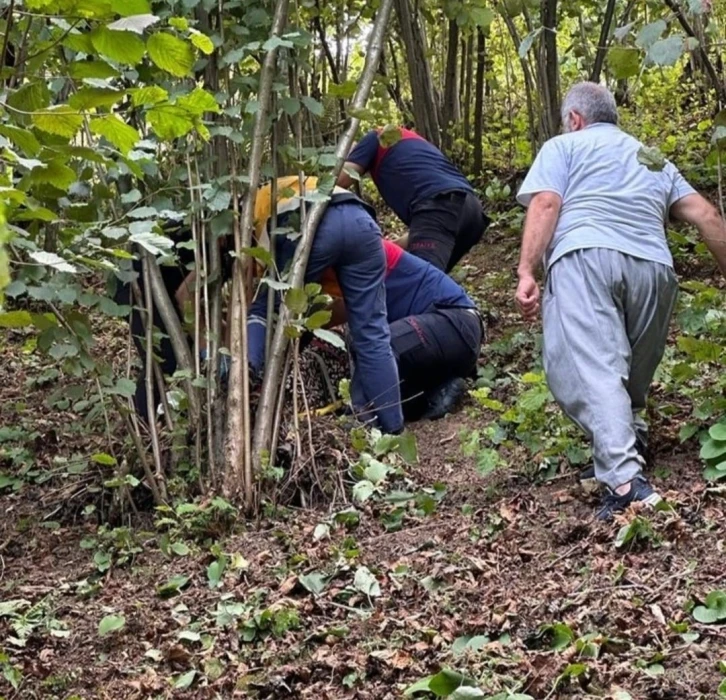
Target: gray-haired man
(597,217)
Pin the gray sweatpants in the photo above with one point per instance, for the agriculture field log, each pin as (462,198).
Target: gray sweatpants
(605,318)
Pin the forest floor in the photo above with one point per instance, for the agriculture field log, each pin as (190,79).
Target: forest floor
(495,571)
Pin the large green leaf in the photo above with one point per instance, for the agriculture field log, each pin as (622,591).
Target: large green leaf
(79,41)
(55,173)
(650,33)
(29,98)
(198,102)
(134,23)
(713,449)
(146,96)
(115,130)
(624,62)
(126,8)
(111,623)
(202,42)
(60,120)
(22,138)
(169,121)
(126,48)
(81,70)
(91,97)
(172,54)
(666,52)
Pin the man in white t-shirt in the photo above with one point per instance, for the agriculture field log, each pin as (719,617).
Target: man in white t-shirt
(597,220)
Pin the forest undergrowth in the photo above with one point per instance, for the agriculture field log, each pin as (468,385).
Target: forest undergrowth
(466,564)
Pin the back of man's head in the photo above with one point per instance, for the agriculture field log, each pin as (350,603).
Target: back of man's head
(588,103)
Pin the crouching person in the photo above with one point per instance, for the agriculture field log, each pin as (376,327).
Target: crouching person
(436,334)
(349,242)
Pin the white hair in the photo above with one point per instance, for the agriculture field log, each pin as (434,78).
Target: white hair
(593,102)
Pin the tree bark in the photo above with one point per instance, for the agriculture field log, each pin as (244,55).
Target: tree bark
(273,373)
(425,112)
(549,70)
(479,102)
(239,477)
(602,44)
(451,109)
(468,77)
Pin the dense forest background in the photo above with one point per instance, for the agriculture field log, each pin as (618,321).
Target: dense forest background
(457,561)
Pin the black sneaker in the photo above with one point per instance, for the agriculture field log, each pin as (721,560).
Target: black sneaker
(640,491)
(642,448)
(445,398)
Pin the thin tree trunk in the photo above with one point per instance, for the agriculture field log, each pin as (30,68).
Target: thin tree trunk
(239,477)
(273,374)
(334,74)
(602,44)
(479,102)
(717,84)
(451,92)
(549,69)
(468,77)
(425,111)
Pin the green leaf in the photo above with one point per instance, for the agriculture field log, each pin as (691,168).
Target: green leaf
(363,490)
(180,549)
(722,685)
(314,582)
(126,8)
(407,447)
(126,48)
(296,300)
(22,138)
(650,33)
(624,62)
(651,158)
(487,461)
(134,23)
(366,582)
(16,319)
(389,136)
(198,102)
(104,459)
(171,54)
(169,121)
(666,52)
(172,586)
(443,684)
(528,42)
(467,643)
(482,16)
(111,623)
(91,97)
(718,432)
(202,42)
(376,471)
(52,260)
(215,571)
(275,42)
(80,42)
(318,320)
(115,130)
(153,242)
(312,105)
(54,173)
(145,96)
(185,680)
(713,449)
(330,337)
(31,97)
(82,70)
(60,120)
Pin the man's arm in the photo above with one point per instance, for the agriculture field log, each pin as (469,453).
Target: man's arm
(539,227)
(344,179)
(699,212)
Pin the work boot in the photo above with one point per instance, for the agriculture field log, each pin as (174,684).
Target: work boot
(445,398)
(640,491)
(641,446)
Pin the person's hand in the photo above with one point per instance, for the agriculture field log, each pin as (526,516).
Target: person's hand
(528,297)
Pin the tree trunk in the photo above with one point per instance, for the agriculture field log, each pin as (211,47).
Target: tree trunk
(239,476)
(263,437)
(479,102)
(422,88)
(602,44)
(452,112)
(549,70)
(468,77)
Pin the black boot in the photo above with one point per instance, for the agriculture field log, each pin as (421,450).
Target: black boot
(445,398)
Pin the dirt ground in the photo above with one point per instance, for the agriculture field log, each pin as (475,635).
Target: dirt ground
(552,608)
